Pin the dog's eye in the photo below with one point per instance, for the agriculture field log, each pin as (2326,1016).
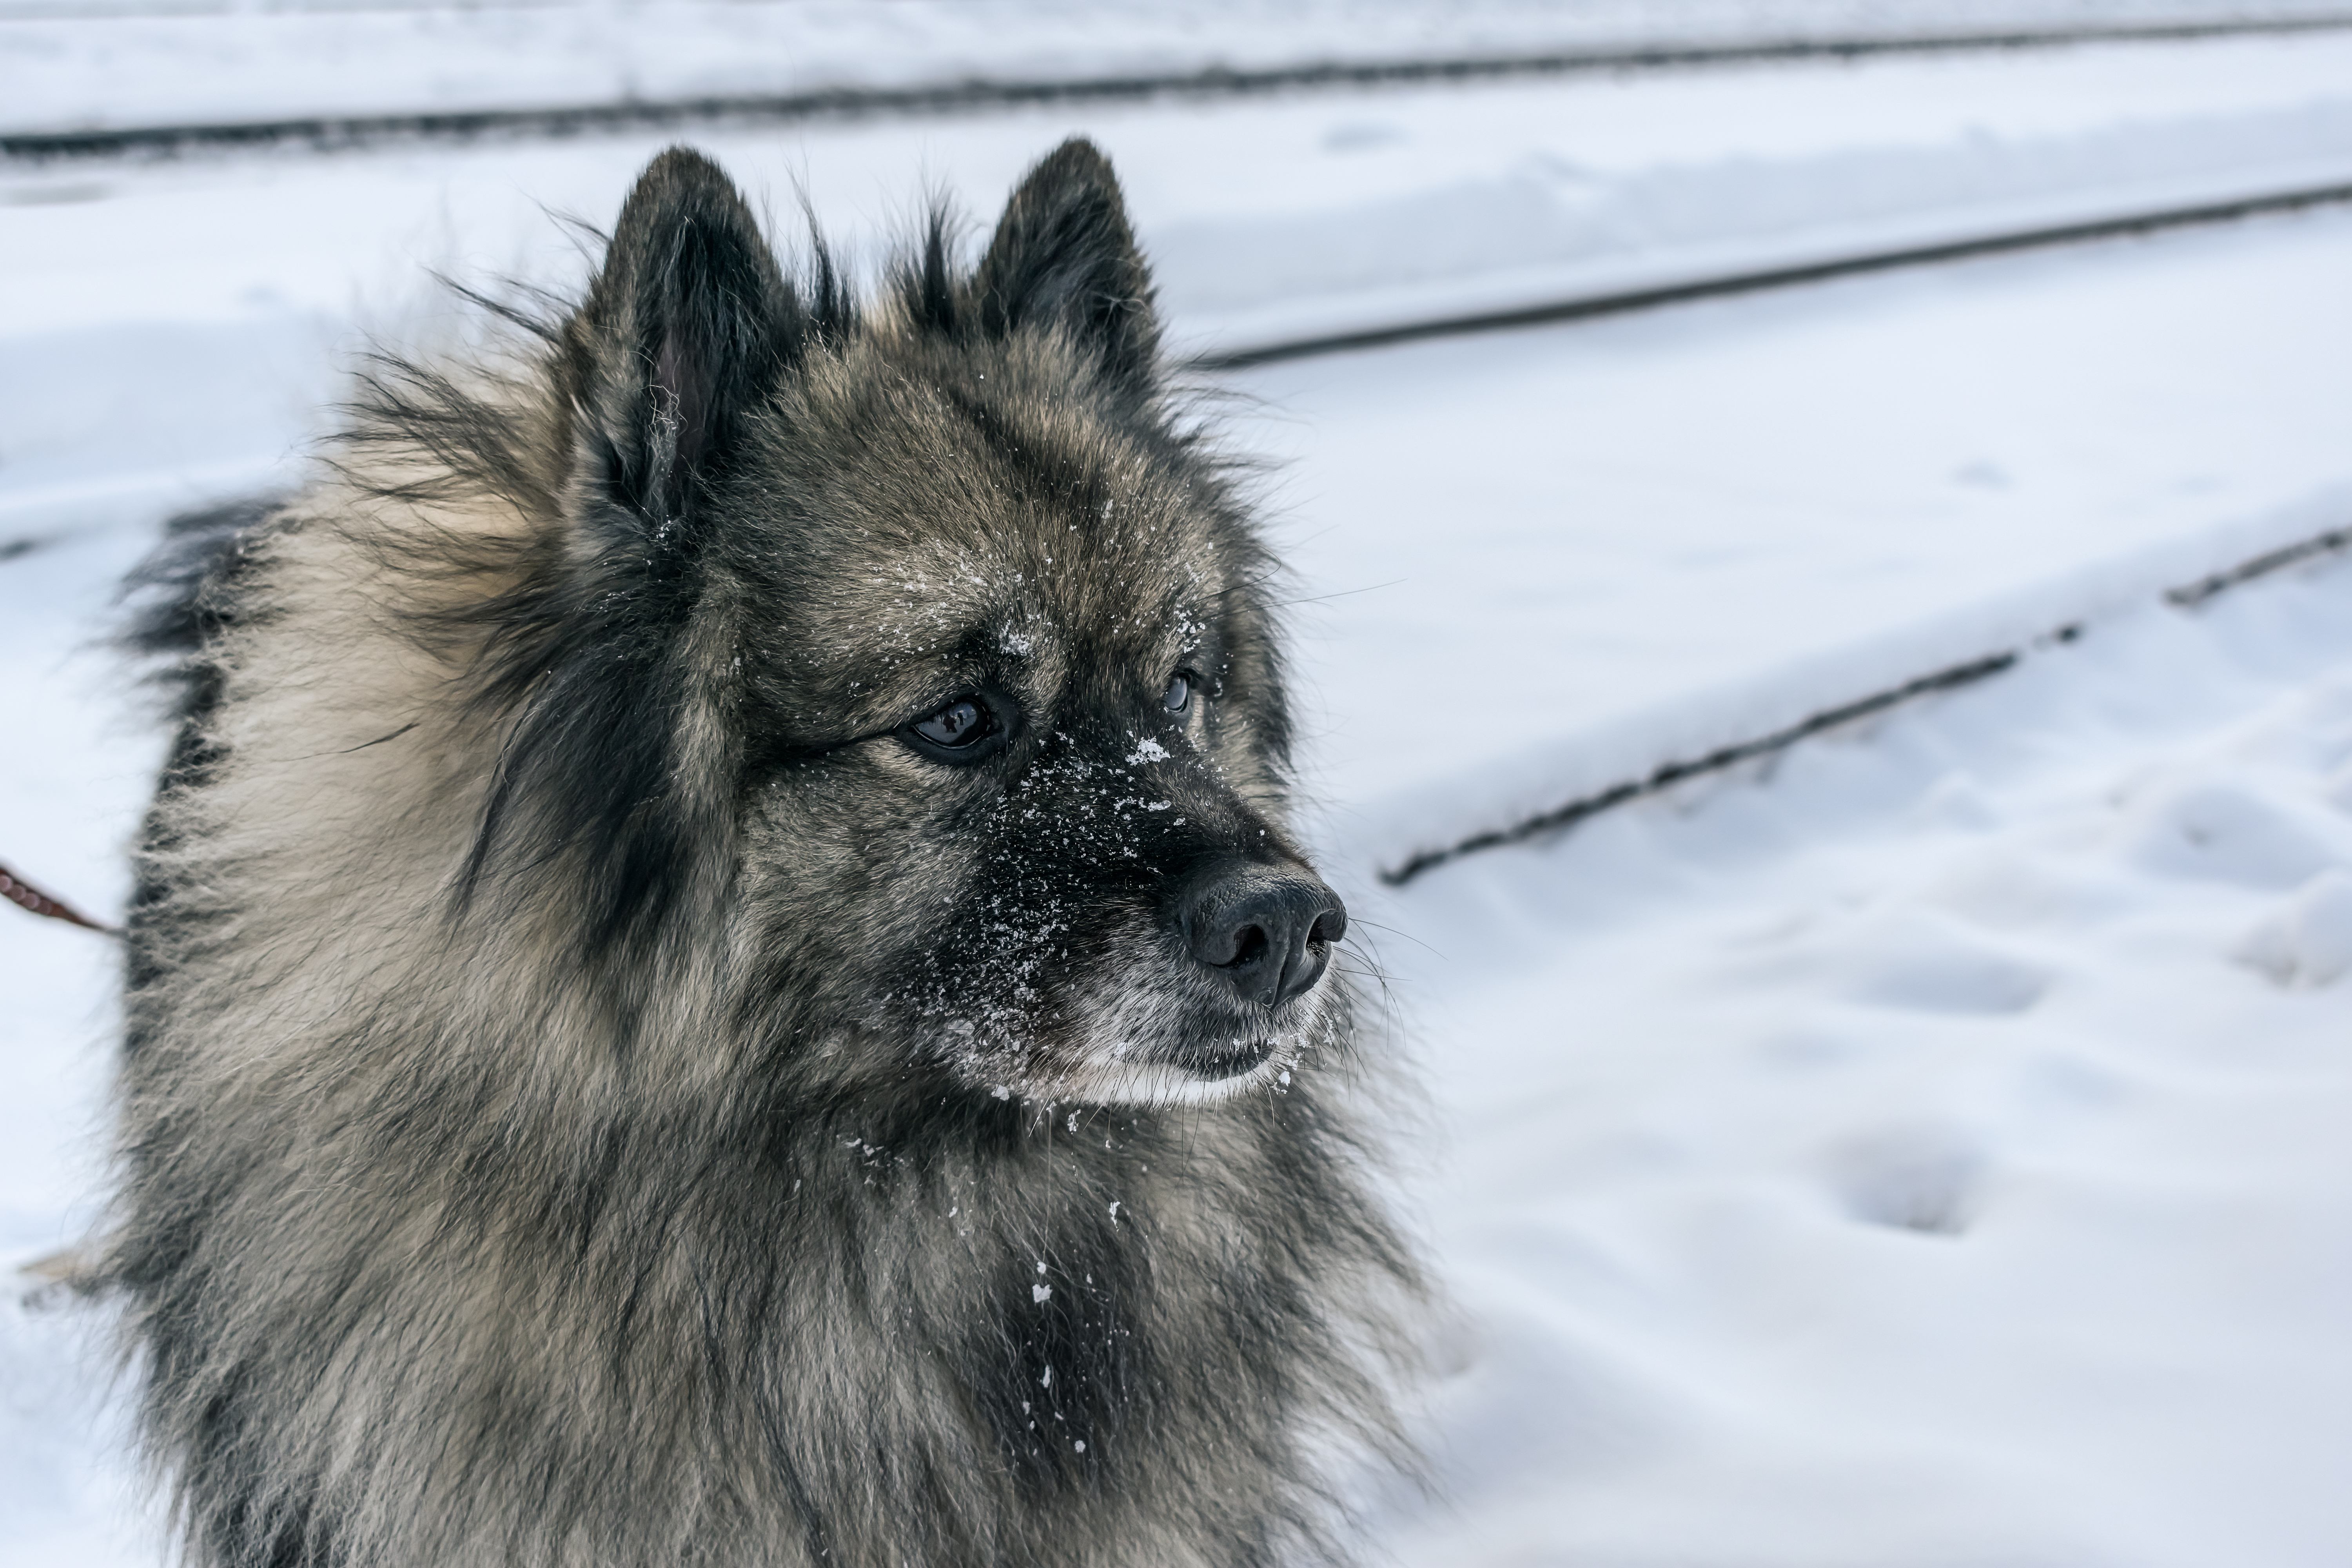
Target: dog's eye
(1179,696)
(960,723)
(960,727)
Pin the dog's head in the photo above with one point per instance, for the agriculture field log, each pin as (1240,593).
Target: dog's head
(909,667)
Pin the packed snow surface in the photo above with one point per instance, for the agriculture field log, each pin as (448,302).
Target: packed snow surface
(1688,529)
(106,64)
(1925,1148)
(170,324)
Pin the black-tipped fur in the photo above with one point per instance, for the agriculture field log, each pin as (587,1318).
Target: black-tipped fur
(602,1093)
(1065,256)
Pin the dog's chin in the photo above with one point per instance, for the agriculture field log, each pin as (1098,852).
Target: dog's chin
(1201,1074)
(1234,1058)
(1202,1068)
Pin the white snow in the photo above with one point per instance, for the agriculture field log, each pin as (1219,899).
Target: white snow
(1636,542)
(1526,195)
(1928,1150)
(2308,942)
(85,64)
(173,321)
(1923,1148)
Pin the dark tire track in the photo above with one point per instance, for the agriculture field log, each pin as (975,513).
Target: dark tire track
(344,133)
(1563,818)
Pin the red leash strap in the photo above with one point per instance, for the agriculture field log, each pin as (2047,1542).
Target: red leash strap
(24,895)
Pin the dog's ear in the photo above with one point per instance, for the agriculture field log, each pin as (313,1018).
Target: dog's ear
(683,333)
(1062,254)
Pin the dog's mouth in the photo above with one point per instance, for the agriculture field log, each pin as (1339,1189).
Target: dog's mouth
(1193,1071)
(1234,1058)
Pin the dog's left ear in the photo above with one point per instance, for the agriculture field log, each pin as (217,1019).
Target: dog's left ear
(1063,254)
(683,333)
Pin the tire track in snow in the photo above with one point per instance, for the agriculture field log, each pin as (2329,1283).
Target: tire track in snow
(1622,302)
(326,133)
(1560,819)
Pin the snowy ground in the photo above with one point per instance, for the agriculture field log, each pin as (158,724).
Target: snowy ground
(89,64)
(1574,553)
(1269,219)
(1928,1151)
(1922,1150)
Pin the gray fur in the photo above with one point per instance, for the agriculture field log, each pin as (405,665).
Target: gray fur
(596,1093)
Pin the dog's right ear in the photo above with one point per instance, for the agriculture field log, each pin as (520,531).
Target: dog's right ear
(684,332)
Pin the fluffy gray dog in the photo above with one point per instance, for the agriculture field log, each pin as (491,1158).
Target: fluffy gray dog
(718,976)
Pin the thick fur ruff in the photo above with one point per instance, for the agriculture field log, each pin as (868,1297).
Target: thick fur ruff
(604,1087)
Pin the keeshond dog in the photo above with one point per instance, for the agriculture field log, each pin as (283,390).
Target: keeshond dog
(718,973)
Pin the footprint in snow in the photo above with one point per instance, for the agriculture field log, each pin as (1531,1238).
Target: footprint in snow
(2221,833)
(2308,942)
(1922,1179)
(1931,965)
(2337,789)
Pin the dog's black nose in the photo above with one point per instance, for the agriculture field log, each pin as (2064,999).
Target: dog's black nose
(1266,929)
